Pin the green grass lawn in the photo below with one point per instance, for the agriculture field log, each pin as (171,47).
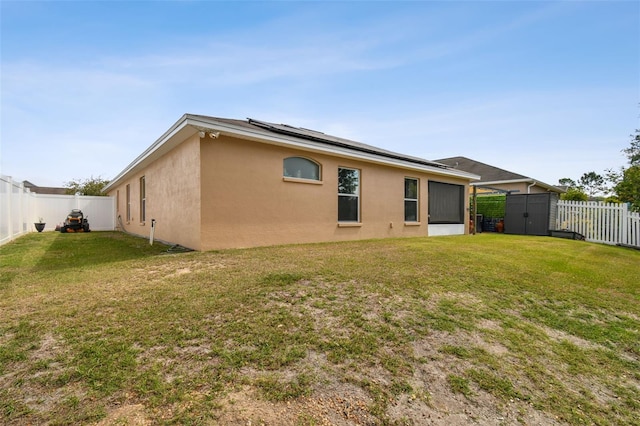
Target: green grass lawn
(528,330)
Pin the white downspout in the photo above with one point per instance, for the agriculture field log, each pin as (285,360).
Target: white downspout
(529,187)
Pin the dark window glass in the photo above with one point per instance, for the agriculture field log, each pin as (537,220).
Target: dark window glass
(411,188)
(410,211)
(143,199)
(128,203)
(347,209)
(348,181)
(410,200)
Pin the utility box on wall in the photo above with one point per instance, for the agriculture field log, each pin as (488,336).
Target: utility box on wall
(530,214)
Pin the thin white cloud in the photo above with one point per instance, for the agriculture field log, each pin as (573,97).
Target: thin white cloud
(293,68)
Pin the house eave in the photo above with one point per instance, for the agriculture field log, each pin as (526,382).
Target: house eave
(320,147)
(527,181)
(188,125)
(170,139)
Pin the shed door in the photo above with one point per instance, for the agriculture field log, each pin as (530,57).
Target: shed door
(538,214)
(515,215)
(527,214)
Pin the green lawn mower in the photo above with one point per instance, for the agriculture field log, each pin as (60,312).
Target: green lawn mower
(75,222)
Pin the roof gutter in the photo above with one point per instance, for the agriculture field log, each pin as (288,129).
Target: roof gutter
(530,181)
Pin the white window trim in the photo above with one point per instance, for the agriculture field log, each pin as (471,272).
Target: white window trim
(358,221)
(143,199)
(301,179)
(128,202)
(417,200)
(349,224)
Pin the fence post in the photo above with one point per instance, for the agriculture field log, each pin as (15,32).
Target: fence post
(625,224)
(24,227)
(20,210)
(10,207)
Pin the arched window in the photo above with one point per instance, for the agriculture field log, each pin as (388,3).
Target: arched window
(302,168)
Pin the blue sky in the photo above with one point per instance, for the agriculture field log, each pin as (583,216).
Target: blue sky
(544,89)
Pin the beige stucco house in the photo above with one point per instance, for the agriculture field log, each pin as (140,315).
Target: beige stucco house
(213,183)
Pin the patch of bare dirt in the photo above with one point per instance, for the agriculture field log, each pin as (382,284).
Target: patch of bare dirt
(184,267)
(32,388)
(442,406)
(126,415)
(340,407)
(559,335)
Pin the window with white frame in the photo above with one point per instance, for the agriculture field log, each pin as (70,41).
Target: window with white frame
(348,195)
(301,168)
(411,200)
(128,203)
(143,199)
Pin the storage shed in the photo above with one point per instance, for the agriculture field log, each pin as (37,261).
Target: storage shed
(530,214)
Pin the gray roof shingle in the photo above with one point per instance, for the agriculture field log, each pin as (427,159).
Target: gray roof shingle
(486,172)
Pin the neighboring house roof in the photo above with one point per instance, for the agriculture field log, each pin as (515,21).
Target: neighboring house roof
(44,189)
(490,175)
(282,135)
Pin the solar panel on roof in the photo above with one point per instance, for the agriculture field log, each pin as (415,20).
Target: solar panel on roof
(336,141)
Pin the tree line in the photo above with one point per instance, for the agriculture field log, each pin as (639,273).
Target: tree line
(615,186)
(90,186)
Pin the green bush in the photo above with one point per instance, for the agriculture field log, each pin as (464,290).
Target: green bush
(574,194)
(491,205)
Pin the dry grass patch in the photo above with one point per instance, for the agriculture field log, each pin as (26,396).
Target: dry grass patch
(101,328)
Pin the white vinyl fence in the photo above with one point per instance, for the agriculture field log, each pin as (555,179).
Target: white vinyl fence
(20,209)
(600,222)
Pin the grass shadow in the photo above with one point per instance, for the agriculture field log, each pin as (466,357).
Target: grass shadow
(86,250)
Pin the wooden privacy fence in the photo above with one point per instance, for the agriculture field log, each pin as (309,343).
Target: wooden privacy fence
(600,222)
(20,208)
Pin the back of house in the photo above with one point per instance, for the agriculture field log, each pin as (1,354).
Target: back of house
(214,183)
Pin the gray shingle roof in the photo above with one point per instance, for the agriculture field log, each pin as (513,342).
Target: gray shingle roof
(492,175)
(486,172)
